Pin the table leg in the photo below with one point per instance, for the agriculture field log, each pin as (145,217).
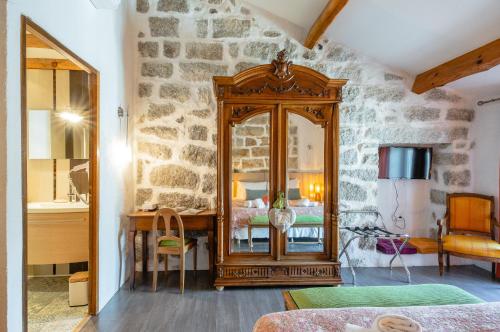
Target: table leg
(144,254)
(211,246)
(131,258)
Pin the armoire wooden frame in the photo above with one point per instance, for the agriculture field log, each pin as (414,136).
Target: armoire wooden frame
(278,88)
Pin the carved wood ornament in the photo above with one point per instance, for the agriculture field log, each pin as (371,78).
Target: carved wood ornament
(277,89)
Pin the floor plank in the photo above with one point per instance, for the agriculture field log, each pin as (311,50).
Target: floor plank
(201,308)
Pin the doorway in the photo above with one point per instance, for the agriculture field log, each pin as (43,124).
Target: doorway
(60,144)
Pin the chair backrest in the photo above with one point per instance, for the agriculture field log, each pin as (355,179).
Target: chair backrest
(470,213)
(167,214)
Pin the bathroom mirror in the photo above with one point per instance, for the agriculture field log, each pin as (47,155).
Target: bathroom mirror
(58,106)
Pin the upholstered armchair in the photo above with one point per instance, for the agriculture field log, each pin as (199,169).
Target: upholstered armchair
(470,229)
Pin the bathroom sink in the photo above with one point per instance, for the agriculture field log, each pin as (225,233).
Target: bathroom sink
(57,207)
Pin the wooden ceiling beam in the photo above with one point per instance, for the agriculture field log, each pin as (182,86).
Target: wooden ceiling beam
(33,41)
(50,64)
(478,60)
(324,20)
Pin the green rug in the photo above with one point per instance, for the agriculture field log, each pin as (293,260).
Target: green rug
(301,219)
(381,296)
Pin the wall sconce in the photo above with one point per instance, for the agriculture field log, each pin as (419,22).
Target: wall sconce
(122,155)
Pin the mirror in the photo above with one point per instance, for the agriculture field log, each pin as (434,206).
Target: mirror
(58,103)
(305,185)
(250,156)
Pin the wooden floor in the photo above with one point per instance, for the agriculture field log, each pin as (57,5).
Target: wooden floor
(201,308)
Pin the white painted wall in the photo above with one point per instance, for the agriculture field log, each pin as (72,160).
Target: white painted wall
(98,37)
(485,132)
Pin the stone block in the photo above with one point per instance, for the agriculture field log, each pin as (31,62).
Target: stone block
(160,70)
(392,77)
(199,156)
(438,197)
(349,157)
(272,33)
(261,50)
(385,94)
(457,178)
(350,93)
(231,28)
(309,55)
(145,89)
(164,26)
(171,49)
(457,133)
(158,151)
(241,66)
(340,54)
(205,51)
(160,132)
(205,95)
(260,151)
(238,153)
(200,71)
(139,171)
(442,95)
(349,136)
(252,164)
(175,91)
(179,6)
(460,114)
(157,111)
(198,133)
(174,176)
(142,6)
(369,175)
(148,49)
(422,113)
(249,131)
(234,50)
(175,199)
(143,195)
(202,114)
(352,192)
(452,159)
(202,28)
(209,183)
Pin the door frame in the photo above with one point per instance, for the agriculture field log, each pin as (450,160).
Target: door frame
(27,25)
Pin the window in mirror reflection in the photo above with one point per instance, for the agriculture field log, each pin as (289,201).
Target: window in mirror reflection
(250,185)
(305,184)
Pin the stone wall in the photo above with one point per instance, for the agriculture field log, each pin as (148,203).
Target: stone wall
(181,44)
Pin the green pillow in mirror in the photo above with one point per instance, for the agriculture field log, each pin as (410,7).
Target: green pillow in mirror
(254,194)
(294,194)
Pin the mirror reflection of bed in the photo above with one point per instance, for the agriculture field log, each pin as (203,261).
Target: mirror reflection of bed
(250,185)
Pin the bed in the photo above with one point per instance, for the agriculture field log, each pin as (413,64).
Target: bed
(464,317)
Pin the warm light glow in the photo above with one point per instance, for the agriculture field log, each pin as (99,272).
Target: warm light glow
(71,117)
(318,188)
(121,154)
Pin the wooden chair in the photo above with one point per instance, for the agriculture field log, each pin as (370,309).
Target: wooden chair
(470,229)
(171,245)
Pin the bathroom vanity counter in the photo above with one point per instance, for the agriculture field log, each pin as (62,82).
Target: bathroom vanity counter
(57,207)
(58,233)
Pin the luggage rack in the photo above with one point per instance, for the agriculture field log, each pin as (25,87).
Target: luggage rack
(373,233)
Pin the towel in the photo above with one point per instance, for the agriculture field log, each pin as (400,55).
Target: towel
(388,323)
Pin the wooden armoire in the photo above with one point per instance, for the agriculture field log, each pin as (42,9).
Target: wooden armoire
(278,132)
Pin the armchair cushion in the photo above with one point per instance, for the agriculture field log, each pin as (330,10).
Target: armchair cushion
(472,245)
(470,213)
(173,243)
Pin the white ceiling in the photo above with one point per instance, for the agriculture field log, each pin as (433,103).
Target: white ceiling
(409,35)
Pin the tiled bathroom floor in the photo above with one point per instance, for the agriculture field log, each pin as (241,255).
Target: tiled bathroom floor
(48,308)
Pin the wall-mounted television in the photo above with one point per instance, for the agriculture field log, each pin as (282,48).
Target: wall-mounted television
(404,162)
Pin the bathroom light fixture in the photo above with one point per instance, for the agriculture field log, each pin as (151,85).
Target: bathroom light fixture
(70,117)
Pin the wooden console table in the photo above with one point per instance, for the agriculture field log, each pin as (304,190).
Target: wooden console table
(143,221)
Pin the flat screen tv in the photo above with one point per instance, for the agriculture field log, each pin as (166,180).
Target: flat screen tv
(403,162)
